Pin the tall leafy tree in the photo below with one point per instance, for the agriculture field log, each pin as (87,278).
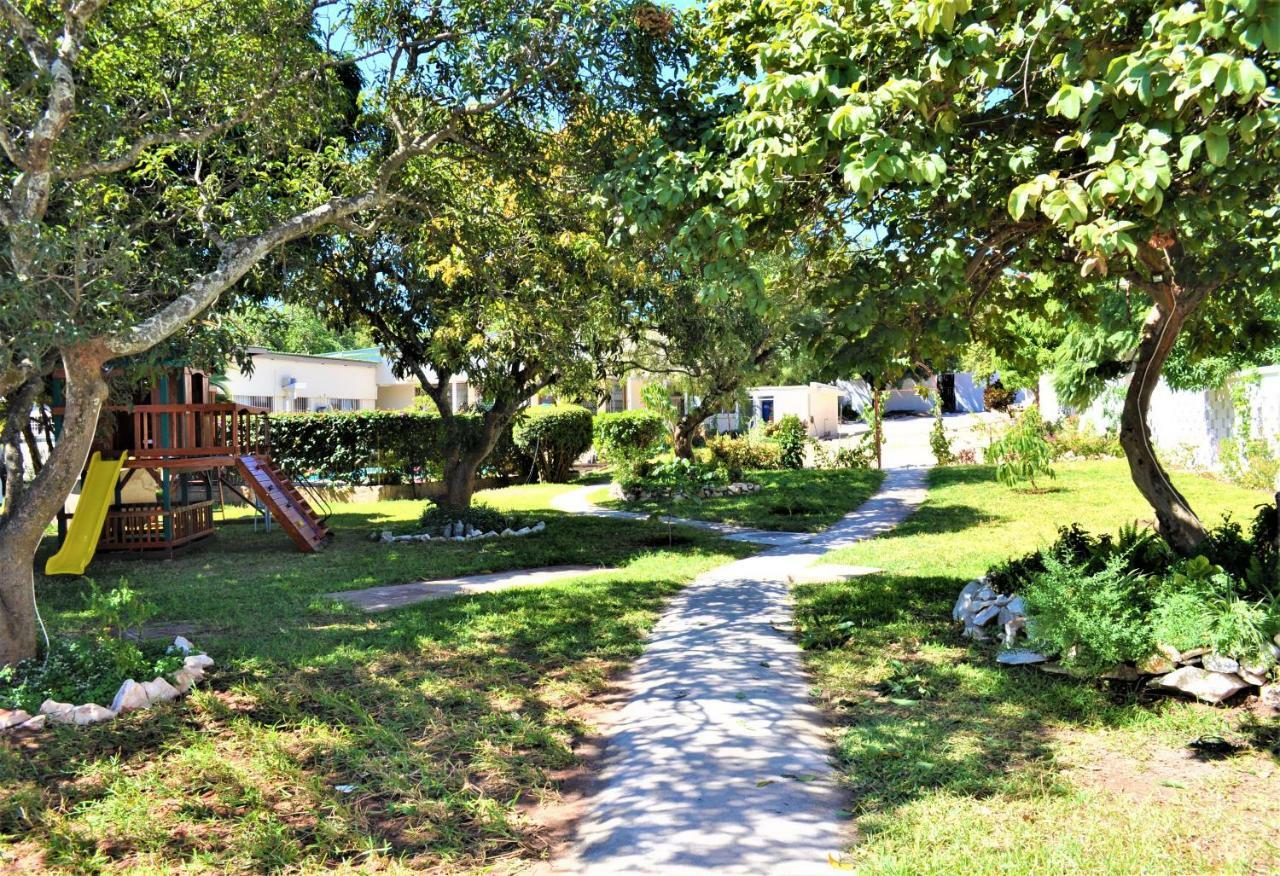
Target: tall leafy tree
(1117,149)
(153,153)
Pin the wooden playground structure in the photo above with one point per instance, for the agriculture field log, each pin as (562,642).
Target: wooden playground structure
(177,449)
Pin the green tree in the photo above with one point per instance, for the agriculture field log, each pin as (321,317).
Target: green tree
(295,328)
(510,285)
(1110,149)
(154,154)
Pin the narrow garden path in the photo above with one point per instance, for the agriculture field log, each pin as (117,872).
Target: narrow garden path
(579,502)
(719,760)
(391,596)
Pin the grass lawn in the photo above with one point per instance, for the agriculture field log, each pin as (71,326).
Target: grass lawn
(958,765)
(806,500)
(446,719)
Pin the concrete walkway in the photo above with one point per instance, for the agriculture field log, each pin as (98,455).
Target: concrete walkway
(579,502)
(399,595)
(718,763)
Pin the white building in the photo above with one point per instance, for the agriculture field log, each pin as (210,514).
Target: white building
(349,380)
(1188,427)
(816,404)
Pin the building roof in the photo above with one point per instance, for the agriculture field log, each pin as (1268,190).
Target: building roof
(363,354)
(328,357)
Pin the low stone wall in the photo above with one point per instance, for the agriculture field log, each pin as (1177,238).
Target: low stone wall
(131,696)
(1200,673)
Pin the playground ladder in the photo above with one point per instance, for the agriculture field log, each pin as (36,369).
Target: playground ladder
(287,505)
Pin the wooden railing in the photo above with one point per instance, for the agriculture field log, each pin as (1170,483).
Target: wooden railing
(169,431)
(142,526)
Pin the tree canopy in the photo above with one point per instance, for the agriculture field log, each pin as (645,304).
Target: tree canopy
(958,162)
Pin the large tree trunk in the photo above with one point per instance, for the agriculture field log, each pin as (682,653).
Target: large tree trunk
(30,511)
(1174,518)
(686,428)
(460,466)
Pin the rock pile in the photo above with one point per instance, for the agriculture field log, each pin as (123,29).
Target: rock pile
(1198,672)
(132,695)
(634,493)
(459,531)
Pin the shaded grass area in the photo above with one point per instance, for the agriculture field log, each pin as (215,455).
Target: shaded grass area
(329,738)
(805,500)
(959,765)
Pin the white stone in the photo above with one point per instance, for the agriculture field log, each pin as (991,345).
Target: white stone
(91,713)
(130,696)
(159,691)
(986,614)
(459,538)
(186,678)
(36,723)
(1258,678)
(965,600)
(1219,663)
(1016,605)
(507,531)
(59,712)
(1020,657)
(985,594)
(1212,687)
(540,526)
(12,718)
(387,537)
(1188,656)
(1011,628)
(1171,653)
(1269,696)
(203,661)
(183,644)
(524,530)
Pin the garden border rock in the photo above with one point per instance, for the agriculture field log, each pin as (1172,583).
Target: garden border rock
(458,531)
(1209,677)
(132,695)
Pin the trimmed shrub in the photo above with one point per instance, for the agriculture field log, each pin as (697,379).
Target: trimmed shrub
(1072,437)
(791,436)
(939,442)
(629,439)
(553,436)
(384,446)
(741,454)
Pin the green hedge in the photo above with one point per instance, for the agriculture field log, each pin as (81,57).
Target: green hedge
(628,439)
(554,436)
(381,446)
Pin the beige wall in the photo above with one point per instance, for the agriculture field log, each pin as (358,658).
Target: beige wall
(395,396)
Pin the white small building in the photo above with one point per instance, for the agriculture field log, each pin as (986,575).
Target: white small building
(296,382)
(816,404)
(349,380)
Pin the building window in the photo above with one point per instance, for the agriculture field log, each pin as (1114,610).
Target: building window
(344,404)
(301,404)
(617,399)
(256,401)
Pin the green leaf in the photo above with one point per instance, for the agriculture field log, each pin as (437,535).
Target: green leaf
(1216,145)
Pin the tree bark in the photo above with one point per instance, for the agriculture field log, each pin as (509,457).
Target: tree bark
(27,516)
(686,428)
(460,465)
(1175,520)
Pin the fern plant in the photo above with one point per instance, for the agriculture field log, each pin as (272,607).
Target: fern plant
(1023,453)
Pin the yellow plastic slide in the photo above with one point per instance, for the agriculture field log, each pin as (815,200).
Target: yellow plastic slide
(86,524)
